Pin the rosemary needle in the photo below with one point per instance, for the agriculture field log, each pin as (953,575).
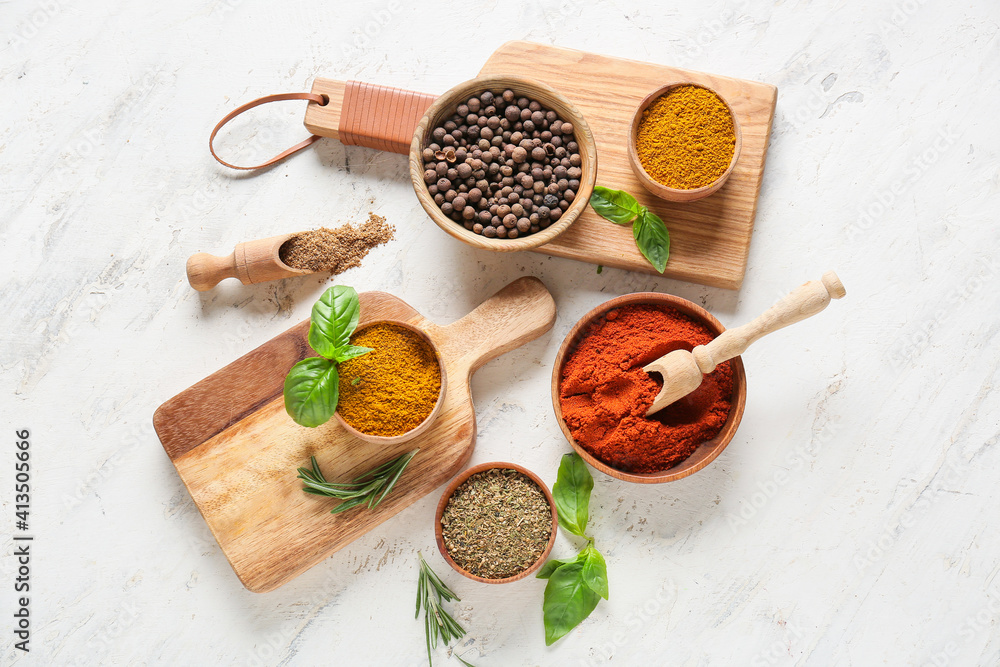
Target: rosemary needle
(438,624)
(370,488)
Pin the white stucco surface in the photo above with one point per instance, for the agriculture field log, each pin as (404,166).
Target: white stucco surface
(852,521)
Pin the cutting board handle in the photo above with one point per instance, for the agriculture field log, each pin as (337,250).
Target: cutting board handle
(366,114)
(520,312)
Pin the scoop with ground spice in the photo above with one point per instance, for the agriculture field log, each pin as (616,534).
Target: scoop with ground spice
(497,523)
(335,250)
(392,389)
(686,138)
(604,392)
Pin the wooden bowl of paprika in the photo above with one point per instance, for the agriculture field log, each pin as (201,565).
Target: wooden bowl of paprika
(661,138)
(550,519)
(701,414)
(390,388)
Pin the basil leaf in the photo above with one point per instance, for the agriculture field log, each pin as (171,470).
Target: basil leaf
(653,239)
(311,391)
(595,571)
(567,601)
(334,318)
(552,565)
(349,352)
(617,206)
(572,494)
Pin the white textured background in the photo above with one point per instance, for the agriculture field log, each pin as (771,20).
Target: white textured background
(852,521)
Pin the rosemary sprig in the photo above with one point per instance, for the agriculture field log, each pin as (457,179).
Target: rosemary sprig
(369,488)
(438,624)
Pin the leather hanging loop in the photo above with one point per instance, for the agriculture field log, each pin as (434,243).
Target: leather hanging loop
(312,97)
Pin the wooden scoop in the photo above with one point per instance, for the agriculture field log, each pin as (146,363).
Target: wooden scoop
(682,370)
(251,262)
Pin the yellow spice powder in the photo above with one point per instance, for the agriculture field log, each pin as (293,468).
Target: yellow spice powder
(393,388)
(686,138)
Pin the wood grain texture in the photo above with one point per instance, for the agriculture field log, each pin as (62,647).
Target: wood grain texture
(236,450)
(709,238)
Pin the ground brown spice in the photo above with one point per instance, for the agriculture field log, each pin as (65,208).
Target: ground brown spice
(336,250)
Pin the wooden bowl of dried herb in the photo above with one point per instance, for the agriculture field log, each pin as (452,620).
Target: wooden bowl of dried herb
(684,142)
(496,523)
(394,392)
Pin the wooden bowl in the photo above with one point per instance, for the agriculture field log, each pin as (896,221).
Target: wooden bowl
(458,481)
(706,451)
(445,106)
(658,189)
(428,421)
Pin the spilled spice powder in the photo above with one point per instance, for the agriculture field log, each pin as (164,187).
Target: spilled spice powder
(497,523)
(604,393)
(336,250)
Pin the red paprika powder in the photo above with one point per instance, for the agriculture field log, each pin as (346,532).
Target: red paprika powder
(604,393)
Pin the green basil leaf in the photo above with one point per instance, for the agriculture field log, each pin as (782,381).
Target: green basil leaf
(567,601)
(311,391)
(572,494)
(595,571)
(617,206)
(350,352)
(334,318)
(653,239)
(552,565)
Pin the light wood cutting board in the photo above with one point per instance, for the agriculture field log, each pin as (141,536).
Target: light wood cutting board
(709,238)
(237,451)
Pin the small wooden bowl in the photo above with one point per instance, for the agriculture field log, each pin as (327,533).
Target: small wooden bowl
(445,106)
(706,451)
(658,189)
(458,481)
(428,421)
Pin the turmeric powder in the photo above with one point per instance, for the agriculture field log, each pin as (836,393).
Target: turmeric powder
(393,388)
(686,138)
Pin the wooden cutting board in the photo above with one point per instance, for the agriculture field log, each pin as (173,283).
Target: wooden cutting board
(709,238)
(237,451)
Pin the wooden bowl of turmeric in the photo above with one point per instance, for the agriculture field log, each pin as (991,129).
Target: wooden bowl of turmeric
(684,142)
(601,408)
(395,392)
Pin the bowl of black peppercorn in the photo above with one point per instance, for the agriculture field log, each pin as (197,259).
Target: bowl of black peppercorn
(503,163)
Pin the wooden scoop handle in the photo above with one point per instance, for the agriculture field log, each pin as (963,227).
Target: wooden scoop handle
(520,312)
(800,303)
(251,262)
(205,271)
